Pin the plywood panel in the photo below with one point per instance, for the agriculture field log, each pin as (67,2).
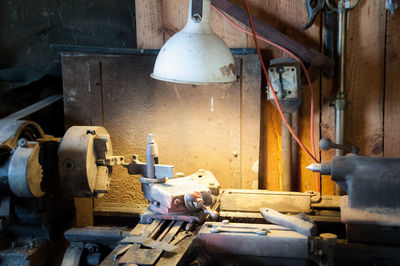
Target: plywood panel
(392,95)
(365,77)
(211,127)
(149,24)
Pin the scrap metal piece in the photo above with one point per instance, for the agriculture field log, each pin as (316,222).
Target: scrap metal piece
(85,160)
(301,226)
(24,171)
(279,242)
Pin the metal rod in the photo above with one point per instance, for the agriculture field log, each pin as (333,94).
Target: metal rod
(287,155)
(341,99)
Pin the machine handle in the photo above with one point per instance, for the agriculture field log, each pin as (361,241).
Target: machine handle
(295,223)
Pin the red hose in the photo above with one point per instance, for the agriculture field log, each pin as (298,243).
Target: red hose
(255,36)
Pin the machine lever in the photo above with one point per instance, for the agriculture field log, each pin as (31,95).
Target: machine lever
(326,144)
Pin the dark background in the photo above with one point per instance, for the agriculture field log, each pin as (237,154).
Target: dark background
(29,69)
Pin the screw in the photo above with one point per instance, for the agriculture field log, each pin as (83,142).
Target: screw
(177,201)
(196,18)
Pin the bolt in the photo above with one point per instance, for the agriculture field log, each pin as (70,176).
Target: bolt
(22,142)
(196,18)
(156,203)
(188,227)
(177,201)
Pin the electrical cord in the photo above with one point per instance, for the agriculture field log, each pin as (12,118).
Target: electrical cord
(255,36)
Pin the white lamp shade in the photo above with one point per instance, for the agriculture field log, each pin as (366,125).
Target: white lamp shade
(195,55)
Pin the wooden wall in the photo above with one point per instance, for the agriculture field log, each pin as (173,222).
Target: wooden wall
(373,47)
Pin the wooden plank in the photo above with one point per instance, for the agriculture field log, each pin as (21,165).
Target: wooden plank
(365,77)
(392,95)
(149,24)
(175,15)
(250,92)
(232,37)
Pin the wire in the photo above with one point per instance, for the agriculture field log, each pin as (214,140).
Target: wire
(255,36)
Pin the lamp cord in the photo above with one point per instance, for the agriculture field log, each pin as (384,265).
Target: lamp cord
(256,37)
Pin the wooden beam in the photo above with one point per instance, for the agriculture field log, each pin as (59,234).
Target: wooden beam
(365,77)
(308,55)
(392,95)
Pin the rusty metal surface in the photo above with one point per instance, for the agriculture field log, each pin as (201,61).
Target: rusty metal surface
(382,216)
(196,126)
(278,242)
(253,200)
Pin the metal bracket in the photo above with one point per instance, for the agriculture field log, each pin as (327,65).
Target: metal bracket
(197,10)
